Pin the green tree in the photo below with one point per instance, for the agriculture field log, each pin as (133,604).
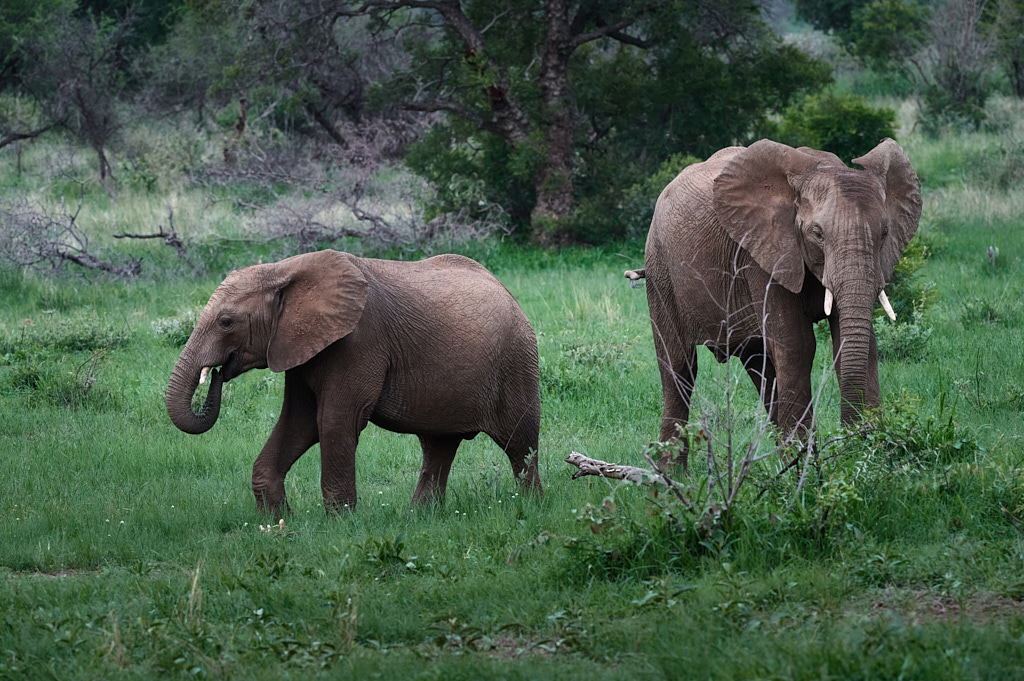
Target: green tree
(1009,47)
(830,16)
(887,34)
(75,70)
(559,106)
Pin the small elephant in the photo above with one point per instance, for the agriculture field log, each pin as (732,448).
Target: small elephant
(438,348)
(750,248)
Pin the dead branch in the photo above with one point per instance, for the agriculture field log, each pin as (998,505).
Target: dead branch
(12,137)
(170,238)
(43,238)
(614,471)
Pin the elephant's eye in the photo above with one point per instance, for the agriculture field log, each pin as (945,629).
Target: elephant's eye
(226,322)
(885,231)
(816,231)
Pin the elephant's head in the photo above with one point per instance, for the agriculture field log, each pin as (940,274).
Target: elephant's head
(277,315)
(796,209)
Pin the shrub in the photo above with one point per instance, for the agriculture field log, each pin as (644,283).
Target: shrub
(903,340)
(80,333)
(846,125)
(175,331)
(710,513)
(579,368)
(637,206)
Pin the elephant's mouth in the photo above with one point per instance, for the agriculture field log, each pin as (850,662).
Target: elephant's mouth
(228,370)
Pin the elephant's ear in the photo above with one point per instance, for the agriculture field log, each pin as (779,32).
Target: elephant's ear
(902,198)
(756,203)
(823,156)
(321,298)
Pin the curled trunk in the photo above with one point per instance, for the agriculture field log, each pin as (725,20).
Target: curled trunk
(182,386)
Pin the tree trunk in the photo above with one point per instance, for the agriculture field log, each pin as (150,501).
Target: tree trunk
(553,180)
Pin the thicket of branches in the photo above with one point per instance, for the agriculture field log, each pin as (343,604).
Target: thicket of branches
(543,119)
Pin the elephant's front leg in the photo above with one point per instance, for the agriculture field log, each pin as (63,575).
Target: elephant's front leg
(295,432)
(793,359)
(339,438)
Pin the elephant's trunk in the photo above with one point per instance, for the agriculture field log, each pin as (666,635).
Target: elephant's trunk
(182,386)
(856,366)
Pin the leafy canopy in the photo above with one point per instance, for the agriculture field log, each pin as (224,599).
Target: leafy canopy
(690,78)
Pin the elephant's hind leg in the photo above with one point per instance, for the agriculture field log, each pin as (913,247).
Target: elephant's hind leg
(677,358)
(438,454)
(295,432)
(520,442)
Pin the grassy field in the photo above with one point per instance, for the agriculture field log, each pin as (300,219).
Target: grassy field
(129,549)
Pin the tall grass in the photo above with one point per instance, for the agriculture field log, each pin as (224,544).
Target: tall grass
(130,549)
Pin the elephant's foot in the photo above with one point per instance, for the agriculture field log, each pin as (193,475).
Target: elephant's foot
(430,497)
(338,507)
(272,505)
(336,504)
(680,459)
(529,482)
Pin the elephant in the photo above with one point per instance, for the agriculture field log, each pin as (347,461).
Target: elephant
(747,250)
(438,348)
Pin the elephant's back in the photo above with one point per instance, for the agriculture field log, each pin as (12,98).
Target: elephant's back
(690,261)
(684,213)
(450,325)
(449,295)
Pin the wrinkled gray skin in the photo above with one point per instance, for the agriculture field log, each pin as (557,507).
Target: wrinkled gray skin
(738,257)
(438,348)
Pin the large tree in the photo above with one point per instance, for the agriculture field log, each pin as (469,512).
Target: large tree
(537,93)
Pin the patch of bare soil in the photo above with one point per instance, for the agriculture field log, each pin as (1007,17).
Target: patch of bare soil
(921,606)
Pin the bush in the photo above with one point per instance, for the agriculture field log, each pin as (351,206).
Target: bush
(948,107)
(80,333)
(175,331)
(806,510)
(637,206)
(578,369)
(846,125)
(904,340)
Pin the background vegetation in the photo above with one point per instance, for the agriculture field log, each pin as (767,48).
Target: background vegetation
(177,141)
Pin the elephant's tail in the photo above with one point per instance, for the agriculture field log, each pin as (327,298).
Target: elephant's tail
(635,276)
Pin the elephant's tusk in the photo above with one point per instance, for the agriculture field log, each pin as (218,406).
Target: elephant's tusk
(886,306)
(828,302)
(203,374)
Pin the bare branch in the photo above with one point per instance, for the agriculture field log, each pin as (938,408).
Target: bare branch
(13,137)
(602,32)
(614,471)
(170,238)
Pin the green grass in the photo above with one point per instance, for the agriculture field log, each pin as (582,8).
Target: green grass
(129,549)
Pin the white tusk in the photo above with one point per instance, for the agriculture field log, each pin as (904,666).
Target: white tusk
(886,306)
(828,302)
(203,374)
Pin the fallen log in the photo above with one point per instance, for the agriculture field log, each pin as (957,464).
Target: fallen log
(615,471)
